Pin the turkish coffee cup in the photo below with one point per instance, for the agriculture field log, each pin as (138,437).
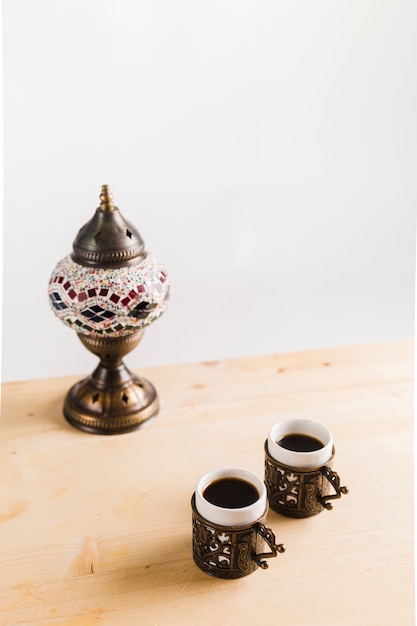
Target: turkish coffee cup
(229,509)
(299,478)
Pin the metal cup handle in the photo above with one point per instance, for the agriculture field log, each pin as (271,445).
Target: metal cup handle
(334,480)
(268,536)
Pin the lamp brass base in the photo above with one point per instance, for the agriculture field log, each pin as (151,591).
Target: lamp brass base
(112,400)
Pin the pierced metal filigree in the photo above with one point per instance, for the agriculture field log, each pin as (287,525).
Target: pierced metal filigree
(299,492)
(231,552)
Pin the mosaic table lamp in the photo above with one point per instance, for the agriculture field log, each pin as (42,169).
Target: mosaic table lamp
(108,290)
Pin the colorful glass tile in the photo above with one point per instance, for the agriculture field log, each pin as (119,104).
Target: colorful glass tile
(57,303)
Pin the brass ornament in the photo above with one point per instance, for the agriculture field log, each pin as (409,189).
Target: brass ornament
(109,289)
(231,552)
(300,492)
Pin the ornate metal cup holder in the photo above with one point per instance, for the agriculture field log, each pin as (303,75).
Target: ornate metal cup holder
(231,551)
(301,492)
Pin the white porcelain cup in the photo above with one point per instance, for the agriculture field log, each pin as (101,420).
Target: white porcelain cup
(293,458)
(225,516)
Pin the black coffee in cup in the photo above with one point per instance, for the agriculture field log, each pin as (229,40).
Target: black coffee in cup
(299,442)
(231,493)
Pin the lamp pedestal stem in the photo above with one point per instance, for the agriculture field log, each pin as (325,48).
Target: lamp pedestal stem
(112,400)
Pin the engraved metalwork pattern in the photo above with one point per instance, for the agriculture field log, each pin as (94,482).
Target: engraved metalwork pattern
(300,492)
(213,551)
(283,487)
(294,492)
(312,504)
(231,552)
(245,555)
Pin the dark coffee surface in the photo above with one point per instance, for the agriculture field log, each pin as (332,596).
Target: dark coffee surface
(231,493)
(298,442)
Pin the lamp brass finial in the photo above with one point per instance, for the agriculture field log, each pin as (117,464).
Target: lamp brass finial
(106,199)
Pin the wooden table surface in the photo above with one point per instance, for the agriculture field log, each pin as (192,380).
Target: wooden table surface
(97,529)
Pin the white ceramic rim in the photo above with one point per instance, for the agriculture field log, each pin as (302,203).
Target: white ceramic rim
(291,458)
(225,516)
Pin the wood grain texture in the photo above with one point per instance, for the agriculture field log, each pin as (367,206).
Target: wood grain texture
(97,530)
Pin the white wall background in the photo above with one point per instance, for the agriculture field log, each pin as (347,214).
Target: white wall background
(266,151)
